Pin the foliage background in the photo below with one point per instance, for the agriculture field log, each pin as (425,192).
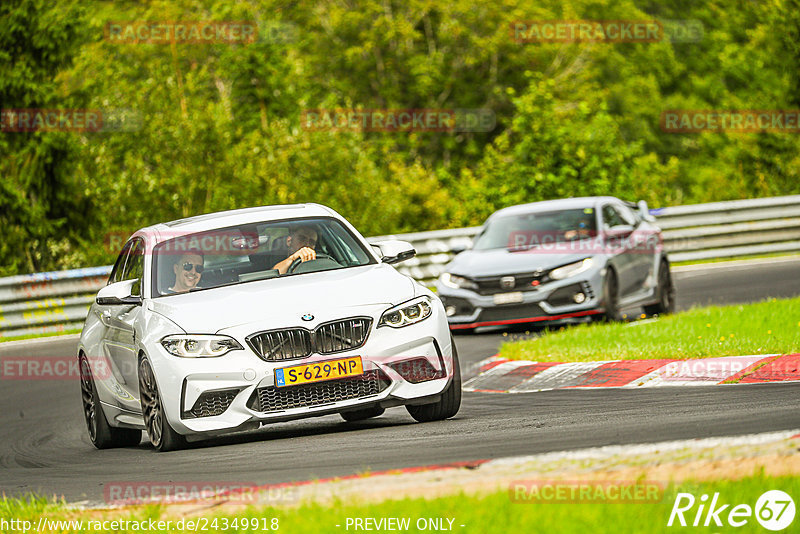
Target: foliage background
(219,124)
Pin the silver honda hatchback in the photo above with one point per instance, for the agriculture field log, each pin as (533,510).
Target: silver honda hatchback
(564,260)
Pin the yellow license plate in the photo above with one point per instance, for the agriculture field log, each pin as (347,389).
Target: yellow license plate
(318,371)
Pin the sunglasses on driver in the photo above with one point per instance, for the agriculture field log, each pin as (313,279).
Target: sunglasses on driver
(197,267)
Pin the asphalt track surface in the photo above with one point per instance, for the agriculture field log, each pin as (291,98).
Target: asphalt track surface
(44,447)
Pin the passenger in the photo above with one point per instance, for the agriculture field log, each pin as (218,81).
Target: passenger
(188,270)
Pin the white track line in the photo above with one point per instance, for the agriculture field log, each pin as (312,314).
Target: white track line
(487,377)
(733,264)
(610,451)
(48,339)
(555,377)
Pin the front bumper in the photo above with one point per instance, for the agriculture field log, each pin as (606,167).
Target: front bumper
(241,386)
(554,301)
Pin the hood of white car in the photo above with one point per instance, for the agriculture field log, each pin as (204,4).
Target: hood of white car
(498,262)
(280,302)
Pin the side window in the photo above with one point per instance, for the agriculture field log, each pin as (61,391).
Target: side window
(134,267)
(119,266)
(611,218)
(627,215)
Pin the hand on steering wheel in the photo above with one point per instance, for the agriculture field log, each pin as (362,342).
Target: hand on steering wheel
(305,254)
(293,265)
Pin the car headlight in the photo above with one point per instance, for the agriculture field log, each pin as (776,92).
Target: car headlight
(572,269)
(455,281)
(407,313)
(199,345)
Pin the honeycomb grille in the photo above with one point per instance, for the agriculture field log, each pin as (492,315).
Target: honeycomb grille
(272,398)
(295,343)
(417,370)
(211,403)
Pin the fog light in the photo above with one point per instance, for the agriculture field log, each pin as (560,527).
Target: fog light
(578,298)
(450,311)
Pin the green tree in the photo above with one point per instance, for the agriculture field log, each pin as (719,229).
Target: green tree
(44,209)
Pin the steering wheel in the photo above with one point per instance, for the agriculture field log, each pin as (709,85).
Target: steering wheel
(297,261)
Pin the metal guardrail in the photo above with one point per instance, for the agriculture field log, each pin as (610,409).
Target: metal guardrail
(48,302)
(58,301)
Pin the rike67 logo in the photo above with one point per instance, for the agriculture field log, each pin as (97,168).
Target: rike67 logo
(774,510)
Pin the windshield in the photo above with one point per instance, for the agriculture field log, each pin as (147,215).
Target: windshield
(256,251)
(533,229)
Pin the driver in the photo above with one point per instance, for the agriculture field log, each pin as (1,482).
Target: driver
(300,242)
(583,230)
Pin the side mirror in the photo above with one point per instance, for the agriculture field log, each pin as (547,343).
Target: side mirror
(395,251)
(644,211)
(118,293)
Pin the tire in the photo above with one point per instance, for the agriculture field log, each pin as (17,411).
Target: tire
(449,403)
(463,331)
(360,415)
(102,435)
(666,293)
(611,298)
(161,434)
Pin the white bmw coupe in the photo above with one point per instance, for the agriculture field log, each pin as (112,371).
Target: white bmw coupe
(232,320)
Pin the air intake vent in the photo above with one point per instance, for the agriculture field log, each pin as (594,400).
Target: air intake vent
(211,403)
(270,399)
(417,370)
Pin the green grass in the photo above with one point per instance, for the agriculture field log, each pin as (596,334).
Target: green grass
(767,327)
(495,512)
(46,334)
